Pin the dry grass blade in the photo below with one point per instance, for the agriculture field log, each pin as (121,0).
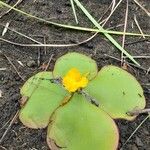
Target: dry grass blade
(68,26)
(8,128)
(74,11)
(105,20)
(135,131)
(50,59)
(17,3)
(38,45)
(15,68)
(108,36)
(124,31)
(146,11)
(21,34)
(113,4)
(141,57)
(112,12)
(128,64)
(136,22)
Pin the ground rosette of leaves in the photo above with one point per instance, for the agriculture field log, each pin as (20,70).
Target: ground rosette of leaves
(73,122)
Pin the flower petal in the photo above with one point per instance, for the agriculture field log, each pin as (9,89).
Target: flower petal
(73,80)
(80,125)
(117,91)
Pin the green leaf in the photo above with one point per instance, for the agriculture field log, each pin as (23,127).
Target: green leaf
(43,98)
(117,91)
(84,64)
(80,125)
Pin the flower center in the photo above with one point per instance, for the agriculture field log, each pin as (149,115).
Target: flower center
(73,80)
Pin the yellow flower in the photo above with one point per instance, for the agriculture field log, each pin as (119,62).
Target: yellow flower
(73,80)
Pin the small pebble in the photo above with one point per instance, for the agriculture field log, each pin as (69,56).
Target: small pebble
(68,4)
(138,141)
(31,63)
(134,147)
(131,147)
(146,132)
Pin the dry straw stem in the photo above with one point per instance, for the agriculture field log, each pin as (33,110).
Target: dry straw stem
(105,20)
(146,11)
(128,64)
(50,59)
(141,57)
(69,26)
(74,11)
(100,29)
(147,117)
(108,36)
(124,31)
(137,112)
(38,45)
(17,3)
(21,34)
(137,24)
(15,68)
(8,128)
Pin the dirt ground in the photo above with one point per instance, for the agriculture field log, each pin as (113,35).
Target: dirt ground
(99,48)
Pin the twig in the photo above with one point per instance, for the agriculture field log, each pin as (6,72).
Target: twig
(8,128)
(12,65)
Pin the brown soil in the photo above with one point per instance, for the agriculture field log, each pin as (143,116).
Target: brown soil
(22,138)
